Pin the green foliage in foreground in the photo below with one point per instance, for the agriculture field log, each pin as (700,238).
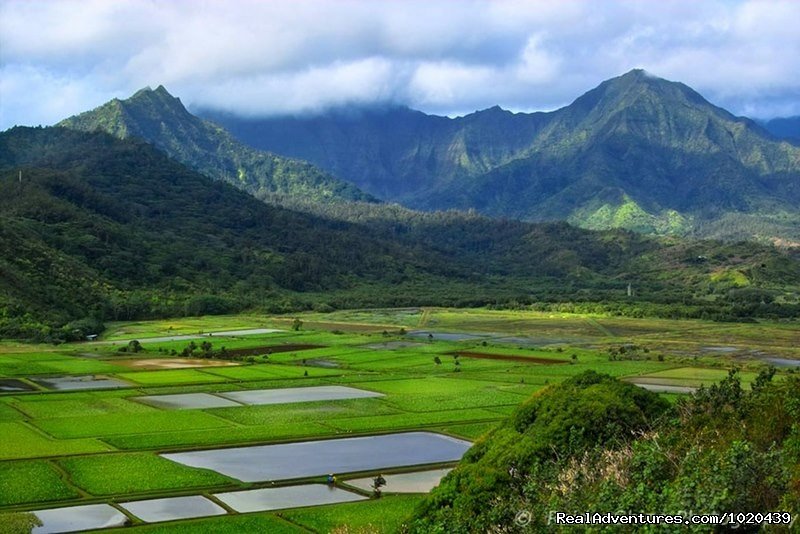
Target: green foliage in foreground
(594,444)
(229,524)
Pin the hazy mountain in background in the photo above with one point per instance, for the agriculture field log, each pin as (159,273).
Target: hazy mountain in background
(161,119)
(784,128)
(637,152)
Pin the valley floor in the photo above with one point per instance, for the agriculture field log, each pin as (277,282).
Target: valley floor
(112,422)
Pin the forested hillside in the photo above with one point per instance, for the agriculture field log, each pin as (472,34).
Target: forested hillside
(95,228)
(159,118)
(636,152)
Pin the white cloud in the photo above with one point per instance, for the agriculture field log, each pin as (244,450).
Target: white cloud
(438,84)
(358,82)
(537,65)
(441,56)
(32,97)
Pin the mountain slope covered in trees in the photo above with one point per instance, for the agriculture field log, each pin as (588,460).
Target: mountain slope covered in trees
(161,119)
(96,227)
(637,152)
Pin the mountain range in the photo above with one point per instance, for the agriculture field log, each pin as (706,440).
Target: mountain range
(161,119)
(638,152)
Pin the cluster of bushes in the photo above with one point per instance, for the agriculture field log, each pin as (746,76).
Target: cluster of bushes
(26,326)
(594,444)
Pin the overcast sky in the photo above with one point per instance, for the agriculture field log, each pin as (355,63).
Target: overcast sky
(61,57)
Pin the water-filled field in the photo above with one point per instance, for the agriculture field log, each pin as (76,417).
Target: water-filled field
(260,500)
(414,482)
(172,508)
(77,518)
(267,463)
(188,427)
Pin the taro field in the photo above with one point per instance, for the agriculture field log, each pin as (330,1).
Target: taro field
(269,424)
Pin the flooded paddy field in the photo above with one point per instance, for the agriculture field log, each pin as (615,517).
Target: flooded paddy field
(664,388)
(445,336)
(122,336)
(290,395)
(13,384)
(414,482)
(73,383)
(78,518)
(783,362)
(256,397)
(260,500)
(104,432)
(187,401)
(314,458)
(172,508)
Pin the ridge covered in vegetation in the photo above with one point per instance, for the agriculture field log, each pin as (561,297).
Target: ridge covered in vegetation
(636,152)
(159,118)
(593,443)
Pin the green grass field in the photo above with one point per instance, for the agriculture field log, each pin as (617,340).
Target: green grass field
(32,481)
(101,445)
(120,474)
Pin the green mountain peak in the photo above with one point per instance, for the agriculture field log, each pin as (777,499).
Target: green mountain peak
(161,119)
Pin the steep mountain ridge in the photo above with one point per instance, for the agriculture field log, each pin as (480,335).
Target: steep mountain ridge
(637,151)
(161,119)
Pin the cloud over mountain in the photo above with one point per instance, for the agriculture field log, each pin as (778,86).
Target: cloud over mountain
(257,58)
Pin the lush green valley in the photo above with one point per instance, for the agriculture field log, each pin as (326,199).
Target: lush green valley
(103,426)
(326,284)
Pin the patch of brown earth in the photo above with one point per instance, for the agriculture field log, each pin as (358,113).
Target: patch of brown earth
(172,363)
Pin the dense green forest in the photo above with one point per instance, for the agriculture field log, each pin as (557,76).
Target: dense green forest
(593,443)
(95,228)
